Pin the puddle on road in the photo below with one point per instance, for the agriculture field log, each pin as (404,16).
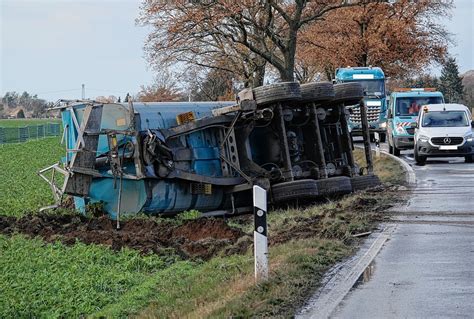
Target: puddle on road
(366,276)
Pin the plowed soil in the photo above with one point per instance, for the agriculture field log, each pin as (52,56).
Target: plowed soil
(200,238)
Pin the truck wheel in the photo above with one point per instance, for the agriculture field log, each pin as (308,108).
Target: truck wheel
(364,182)
(335,186)
(468,158)
(278,92)
(372,138)
(396,151)
(420,160)
(390,147)
(383,137)
(317,92)
(348,93)
(301,189)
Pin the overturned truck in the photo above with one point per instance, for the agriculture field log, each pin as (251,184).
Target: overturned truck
(165,158)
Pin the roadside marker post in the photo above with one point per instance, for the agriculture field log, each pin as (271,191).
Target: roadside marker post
(260,240)
(377,144)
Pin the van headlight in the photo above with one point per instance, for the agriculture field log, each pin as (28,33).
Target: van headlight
(400,130)
(468,138)
(423,138)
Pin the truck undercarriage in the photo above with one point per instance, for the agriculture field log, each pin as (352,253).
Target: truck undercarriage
(292,140)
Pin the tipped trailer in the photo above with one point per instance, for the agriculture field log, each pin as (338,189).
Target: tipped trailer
(165,158)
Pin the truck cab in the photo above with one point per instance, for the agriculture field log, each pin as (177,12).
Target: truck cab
(404,107)
(372,80)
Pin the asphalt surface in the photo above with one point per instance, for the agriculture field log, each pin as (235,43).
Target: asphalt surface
(426,268)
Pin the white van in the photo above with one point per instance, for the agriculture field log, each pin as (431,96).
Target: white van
(444,130)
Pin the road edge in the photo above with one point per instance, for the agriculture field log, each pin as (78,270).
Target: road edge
(328,303)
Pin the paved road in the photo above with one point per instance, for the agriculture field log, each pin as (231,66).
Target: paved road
(426,269)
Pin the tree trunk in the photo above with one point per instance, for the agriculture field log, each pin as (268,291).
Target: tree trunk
(259,72)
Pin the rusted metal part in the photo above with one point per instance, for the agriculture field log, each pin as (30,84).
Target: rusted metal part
(281,130)
(347,140)
(318,149)
(366,136)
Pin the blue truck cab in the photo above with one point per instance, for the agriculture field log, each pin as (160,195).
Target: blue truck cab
(403,109)
(373,81)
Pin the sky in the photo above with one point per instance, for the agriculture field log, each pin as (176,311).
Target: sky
(52,47)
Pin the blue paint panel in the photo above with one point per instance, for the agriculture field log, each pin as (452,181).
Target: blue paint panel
(175,197)
(166,195)
(163,115)
(133,195)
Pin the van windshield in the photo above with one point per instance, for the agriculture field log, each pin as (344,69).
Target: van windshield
(410,106)
(445,119)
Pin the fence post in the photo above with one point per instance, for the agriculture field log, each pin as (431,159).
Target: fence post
(260,241)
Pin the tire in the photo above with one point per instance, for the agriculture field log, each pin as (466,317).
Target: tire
(335,186)
(390,147)
(396,151)
(348,93)
(321,92)
(372,138)
(420,160)
(469,159)
(300,189)
(363,182)
(383,137)
(278,92)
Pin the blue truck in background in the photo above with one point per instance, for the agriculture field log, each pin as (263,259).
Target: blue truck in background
(404,106)
(372,80)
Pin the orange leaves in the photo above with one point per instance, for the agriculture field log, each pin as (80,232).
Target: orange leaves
(393,36)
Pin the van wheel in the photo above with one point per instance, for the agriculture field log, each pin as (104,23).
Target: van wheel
(420,160)
(468,159)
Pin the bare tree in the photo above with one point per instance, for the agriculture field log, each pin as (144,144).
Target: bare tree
(236,36)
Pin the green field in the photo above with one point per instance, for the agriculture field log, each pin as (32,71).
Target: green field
(53,280)
(25,122)
(21,189)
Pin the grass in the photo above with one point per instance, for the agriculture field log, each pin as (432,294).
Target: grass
(52,280)
(21,189)
(388,170)
(25,122)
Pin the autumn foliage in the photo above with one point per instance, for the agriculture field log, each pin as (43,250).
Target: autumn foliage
(295,38)
(401,37)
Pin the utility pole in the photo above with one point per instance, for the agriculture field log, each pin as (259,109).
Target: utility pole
(83,91)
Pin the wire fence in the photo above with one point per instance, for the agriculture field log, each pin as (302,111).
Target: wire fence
(30,132)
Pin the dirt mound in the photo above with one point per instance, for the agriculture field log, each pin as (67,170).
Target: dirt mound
(200,238)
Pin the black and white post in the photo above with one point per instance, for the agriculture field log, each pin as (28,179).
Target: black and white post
(260,241)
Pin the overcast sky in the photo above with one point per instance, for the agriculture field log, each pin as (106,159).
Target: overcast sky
(51,47)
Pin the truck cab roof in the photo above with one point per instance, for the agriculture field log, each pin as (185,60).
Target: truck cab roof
(415,92)
(360,73)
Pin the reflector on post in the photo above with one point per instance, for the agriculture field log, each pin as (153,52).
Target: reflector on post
(260,241)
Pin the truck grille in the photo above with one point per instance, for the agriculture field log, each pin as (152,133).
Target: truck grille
(447,140)
(373,113)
